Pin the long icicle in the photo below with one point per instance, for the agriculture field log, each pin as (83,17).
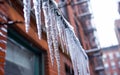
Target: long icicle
(46,11)
(60,33)
(37,8)
(75,49)
(27,8)
(55,37)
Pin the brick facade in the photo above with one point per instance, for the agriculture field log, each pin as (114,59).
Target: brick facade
(14,15)
(14,12)
(3,38)
(111,60)
(52,69)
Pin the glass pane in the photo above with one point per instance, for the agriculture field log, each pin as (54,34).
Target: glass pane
(19,60)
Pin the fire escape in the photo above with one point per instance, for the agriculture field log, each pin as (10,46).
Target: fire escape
(83,15)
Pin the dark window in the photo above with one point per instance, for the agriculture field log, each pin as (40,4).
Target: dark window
(19,61)
(68,70)
(22,58)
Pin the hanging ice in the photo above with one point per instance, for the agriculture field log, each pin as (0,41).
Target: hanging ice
(46,10)
(59,32)
(37,8)
(78,56)
(27,8)
(55,37)
(60,29)
(72,43)
(52,35)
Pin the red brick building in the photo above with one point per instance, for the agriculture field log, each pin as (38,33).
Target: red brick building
(117,29)
(27,55)
(79,14)
(111,60)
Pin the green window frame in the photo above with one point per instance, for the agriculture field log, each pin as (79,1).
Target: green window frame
(39,54)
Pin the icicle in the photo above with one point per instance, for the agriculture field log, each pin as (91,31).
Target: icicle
(37,8)
(55,39)
(60,35)
(59,28)
(50,21)
(27,8)
(61,31)
(46,11)
(80,65)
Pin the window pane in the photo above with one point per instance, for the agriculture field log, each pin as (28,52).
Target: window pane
(115,73)
(117,54)
(113,65)
(19,61)
(111,56)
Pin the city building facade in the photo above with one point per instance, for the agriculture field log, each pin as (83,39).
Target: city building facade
(111,60)
(33,53)
(79,14)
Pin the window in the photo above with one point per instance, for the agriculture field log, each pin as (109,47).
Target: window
(104,57)
(119,64)
(68,70)
(63,7)
(101,73)
(22,58)
(106,65)
(113,65)
(110,56)
(117,54)
(19,61)
(115,73)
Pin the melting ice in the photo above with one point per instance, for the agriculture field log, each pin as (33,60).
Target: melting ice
(37,8)
(59,32)
(27,8)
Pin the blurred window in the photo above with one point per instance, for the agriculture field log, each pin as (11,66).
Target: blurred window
(119,64)
(117,54)
(115,73)
(113,65)
(110,56)
(20,60)
(101,73)
(108,73)
(106,65)
(104,57)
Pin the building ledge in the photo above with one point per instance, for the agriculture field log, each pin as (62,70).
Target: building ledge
(80,2)
(89,30)
(93,50)
(99,68)
(85,14)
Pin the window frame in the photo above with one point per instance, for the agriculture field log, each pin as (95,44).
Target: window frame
(39,54)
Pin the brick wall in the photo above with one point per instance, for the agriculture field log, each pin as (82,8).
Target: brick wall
(52,70)
(111,55)
(14,15)
(3,38)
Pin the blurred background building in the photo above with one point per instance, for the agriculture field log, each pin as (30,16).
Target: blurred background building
(79,14)
(111,60)
(111,55)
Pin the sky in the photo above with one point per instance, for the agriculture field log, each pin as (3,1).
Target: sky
(105,12)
